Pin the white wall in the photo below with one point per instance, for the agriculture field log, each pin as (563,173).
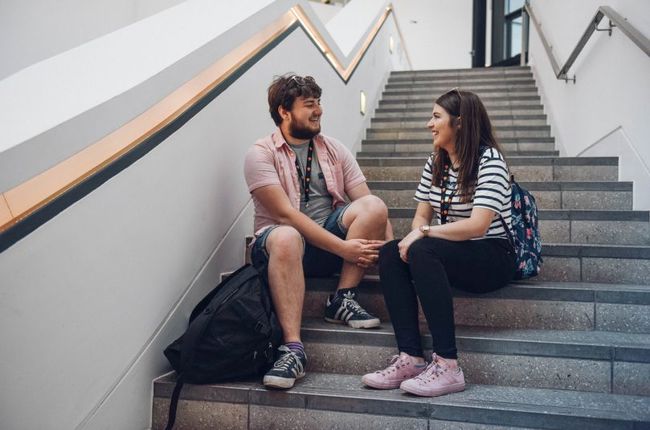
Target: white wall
(325,11)
(606,111)
(33,30)
(90,299)
(441,36)
(79,96)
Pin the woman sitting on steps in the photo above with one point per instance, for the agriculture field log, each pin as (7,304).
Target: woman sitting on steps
(465,185)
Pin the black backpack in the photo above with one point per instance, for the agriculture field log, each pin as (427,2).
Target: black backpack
(233,333)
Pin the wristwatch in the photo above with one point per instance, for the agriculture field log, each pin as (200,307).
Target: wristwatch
(424,229)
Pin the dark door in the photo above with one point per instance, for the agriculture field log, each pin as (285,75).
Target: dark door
(507,24)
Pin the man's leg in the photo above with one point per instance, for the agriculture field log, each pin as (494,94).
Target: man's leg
(286,280)
(282,247)
(365,218)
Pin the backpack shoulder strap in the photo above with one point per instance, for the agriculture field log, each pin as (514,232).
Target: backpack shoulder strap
(173,404)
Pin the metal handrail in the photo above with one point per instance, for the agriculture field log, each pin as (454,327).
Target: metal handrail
(615,21)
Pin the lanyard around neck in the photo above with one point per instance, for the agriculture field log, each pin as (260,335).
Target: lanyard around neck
(306,178)
(445,201)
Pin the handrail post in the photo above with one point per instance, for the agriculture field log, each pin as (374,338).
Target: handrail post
(616,21)
(524,36)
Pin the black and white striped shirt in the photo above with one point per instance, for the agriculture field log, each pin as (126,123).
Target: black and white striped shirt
(492,192)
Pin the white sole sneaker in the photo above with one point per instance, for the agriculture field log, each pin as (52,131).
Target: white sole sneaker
(372,323)
(280,382)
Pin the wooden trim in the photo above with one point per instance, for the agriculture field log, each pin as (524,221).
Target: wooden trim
(6,217)
(22,201)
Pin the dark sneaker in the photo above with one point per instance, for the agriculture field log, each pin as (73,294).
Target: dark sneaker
(289,367)
(344,309)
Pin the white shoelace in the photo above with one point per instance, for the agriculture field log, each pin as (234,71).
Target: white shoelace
(352,305)
(285,361)
(394,363)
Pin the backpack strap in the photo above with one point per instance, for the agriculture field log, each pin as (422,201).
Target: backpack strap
(173,404)
(508,232)
(191,337)
(511,238)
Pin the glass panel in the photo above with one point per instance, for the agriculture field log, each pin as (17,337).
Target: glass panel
(512,5)
(515,37)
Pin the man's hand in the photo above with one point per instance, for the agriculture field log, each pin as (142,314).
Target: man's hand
(362,252)
(406,243)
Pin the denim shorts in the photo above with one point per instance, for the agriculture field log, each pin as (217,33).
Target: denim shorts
(316,262)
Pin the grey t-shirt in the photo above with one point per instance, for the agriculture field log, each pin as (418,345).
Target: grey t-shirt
(320,201)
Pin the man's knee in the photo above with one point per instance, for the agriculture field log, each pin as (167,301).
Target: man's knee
(285,243)
(372,207)
(376,206)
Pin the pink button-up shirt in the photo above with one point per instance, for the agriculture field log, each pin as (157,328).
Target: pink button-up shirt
(272,162)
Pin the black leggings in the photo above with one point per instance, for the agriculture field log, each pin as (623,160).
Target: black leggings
(434,266)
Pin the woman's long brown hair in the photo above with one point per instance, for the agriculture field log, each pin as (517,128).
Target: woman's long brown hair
(475,132)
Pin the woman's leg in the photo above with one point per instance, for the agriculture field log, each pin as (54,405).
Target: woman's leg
(402,304)
(436,264)
(400,298)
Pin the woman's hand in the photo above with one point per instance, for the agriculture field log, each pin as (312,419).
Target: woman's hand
(406,243)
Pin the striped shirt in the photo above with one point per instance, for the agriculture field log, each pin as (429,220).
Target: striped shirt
(492,192)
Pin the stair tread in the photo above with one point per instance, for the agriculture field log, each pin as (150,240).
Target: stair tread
(346,393)
(618,294)
(531,186)
(420,154)
(532,283)
(560,214)
(405,161)
(628,346)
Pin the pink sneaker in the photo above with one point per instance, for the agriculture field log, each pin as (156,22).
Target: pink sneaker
(436,380)
(401,367)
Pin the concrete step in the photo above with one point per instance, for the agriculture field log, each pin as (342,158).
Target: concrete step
(443,85)
(337,401)
(508,144)
(521,305)
(422,155)
(381,123)
(452,81)
(623,264)
(425,106)
(525,168)
(504,131)
(549,195)
(495,114)
(459,80)
(503,73)
(482,89)
(569,226)
(486,97)
(594,361)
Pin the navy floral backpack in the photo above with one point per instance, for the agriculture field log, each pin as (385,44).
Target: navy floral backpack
(524,237)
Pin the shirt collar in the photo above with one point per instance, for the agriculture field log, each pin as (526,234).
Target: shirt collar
(278,138)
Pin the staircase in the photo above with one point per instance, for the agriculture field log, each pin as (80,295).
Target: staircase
(568,350)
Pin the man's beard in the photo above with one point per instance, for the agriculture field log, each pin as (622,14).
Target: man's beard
(301,132)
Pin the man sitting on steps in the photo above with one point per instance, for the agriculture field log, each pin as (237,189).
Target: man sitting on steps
(299,180)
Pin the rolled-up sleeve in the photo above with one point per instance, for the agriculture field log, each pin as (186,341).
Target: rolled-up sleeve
(352,174)
(259,168)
